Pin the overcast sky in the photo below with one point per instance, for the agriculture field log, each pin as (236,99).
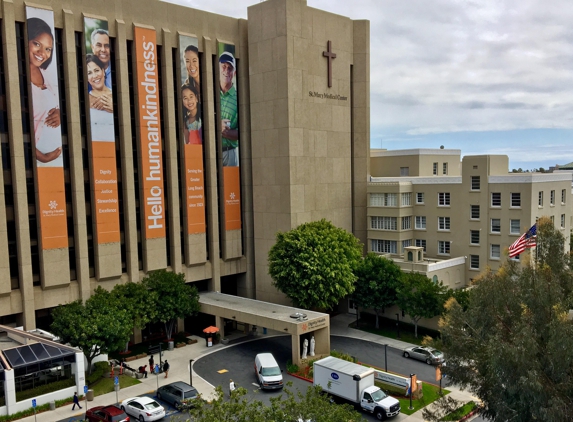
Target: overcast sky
(483,76)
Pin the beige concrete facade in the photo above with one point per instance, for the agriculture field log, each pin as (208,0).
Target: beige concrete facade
(464,221)
(304,148)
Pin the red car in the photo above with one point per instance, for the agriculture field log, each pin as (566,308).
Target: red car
(107,414)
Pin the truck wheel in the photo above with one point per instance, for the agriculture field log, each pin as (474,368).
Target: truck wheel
(406,354)
(380,415)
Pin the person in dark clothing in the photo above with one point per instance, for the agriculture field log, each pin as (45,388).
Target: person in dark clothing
(76,401)
(151,364)
(166,369)
(143,371)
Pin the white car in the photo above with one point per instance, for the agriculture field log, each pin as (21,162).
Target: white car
(143,408)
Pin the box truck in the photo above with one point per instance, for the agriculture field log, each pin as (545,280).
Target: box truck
(355,384)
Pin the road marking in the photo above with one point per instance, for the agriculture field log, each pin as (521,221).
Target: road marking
(222,371)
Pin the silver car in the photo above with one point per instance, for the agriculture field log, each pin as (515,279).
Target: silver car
(179,394)
(425,354)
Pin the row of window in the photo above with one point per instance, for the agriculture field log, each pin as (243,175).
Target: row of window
(435,168)
(391,199)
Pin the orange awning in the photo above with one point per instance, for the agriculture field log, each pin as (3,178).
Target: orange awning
(211,330)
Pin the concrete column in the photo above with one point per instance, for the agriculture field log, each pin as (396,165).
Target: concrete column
(9,390)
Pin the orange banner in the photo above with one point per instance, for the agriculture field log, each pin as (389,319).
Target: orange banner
(232,191)
(103,160)
(194,183)
(49,174)
(192,133)
(152,195)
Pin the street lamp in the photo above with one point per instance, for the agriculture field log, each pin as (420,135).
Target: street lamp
(191,372)
(398,324)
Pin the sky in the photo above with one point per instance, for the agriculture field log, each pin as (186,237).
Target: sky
(482,76)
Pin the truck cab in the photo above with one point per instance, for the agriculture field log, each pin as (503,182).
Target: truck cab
(375,401)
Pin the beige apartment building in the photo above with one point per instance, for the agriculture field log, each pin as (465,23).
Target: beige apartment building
(452,218)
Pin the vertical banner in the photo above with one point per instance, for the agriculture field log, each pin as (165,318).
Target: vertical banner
(51,204)
(103,163)
(230,135)
(192,134)
(152,197)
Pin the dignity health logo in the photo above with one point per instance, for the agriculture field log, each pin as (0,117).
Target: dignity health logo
(53,211)
(232,199)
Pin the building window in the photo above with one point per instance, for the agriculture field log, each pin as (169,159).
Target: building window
(474,237)
(474,262)
(552,197)
(420,198)
(406,223)
(563,193)
(406,243)
(404,171)
(383,246)
(445,168)
(406,201)
(376,199)
(384,223)
(421,243)
(516,199)
(475,183)
(383,199)
(444,199)
(495,252)
(443,247)
(496,199)
(443,223)
(514,226)
(540,199)
(435,169)
(474,212)
(562,221)
(495,225)
(420,222)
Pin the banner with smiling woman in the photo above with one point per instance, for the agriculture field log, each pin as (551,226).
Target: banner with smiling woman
(192,135)
(51,199)
(102,145)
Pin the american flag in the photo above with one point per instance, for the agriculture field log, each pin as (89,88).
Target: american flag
(526,240)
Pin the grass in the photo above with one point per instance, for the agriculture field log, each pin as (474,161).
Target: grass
(387,328)
(431,394)
(460,412)
(105,385)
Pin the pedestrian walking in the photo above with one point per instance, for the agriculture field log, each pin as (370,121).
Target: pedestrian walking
(166,368)
(76,401)
(232,388)
(151,364)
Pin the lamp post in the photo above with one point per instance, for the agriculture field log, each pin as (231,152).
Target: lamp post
(191,372)
(411,391)
(398,325)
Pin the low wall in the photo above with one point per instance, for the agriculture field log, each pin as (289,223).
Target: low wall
(44,399)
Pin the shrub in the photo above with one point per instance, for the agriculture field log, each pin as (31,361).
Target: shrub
(291,368)
(100,368)
(343,356)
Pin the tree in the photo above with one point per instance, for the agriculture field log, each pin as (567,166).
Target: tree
(310,405)
(173,297)
(513,346)
(376,285)
(314,264)
(102,325)
(139,302)
(420,297)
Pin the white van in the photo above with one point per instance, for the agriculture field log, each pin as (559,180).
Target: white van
(268,372)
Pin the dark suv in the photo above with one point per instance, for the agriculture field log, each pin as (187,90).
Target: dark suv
(107,414)
(178,393)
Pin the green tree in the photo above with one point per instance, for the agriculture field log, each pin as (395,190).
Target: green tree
(420,297)
(173,297)
(378,279)
(289,406)
(139,301)
(102,325)
(513,346)
(314,264)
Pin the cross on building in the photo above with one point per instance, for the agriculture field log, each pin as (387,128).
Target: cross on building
(329,55)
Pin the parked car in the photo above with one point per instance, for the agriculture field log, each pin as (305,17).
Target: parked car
(106,413)
(425,354)
(178,393)
(143,408)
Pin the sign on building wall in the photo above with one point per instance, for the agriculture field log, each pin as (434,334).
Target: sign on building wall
(192,136)
(51,205)
(103,162)
(152,197)
(229,122)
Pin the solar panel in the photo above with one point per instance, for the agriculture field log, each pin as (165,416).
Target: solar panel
(27,355)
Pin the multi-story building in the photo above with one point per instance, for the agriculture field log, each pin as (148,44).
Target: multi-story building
(471,208)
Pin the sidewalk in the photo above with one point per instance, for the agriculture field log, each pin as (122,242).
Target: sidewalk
(179,362)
